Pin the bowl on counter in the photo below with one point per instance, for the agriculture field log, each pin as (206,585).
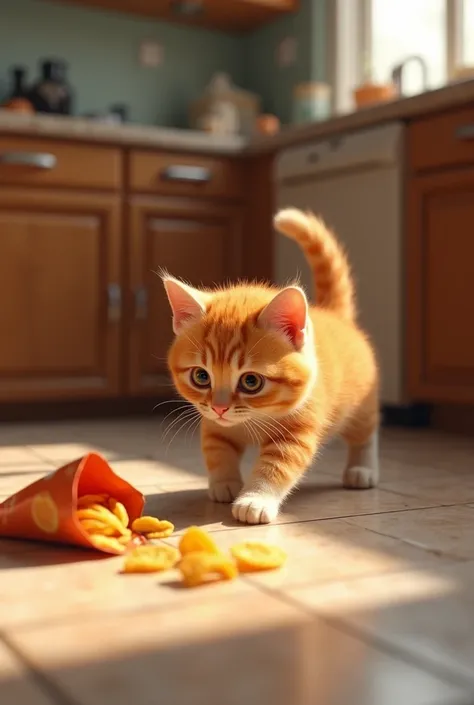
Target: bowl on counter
(368,94)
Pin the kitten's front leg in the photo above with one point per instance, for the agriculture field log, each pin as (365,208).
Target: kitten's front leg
(222,452)
(279,467)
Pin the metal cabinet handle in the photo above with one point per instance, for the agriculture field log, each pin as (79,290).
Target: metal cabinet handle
(114,303)
(189,173)
(141,304)
(465,132)
(37,160)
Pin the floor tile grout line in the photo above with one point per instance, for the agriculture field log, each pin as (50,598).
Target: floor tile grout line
(420,498)
(384,647)
(94,615)
(39,455)
(358,576)
(433,551)
(440,671)
(322,519)
(47,685)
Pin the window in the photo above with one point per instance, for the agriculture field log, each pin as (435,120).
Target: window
(402,28)
(370,37)
(467,52)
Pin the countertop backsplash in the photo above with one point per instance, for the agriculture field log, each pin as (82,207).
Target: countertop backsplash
(102,52)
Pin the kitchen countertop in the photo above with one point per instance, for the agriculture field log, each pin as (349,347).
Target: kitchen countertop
(146,136)
(194,141)
(403,109)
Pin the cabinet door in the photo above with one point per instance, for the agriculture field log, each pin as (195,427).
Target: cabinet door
(196,242)
(59,295)
(440,301)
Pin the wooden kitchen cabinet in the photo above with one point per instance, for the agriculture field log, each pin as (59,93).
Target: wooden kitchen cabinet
(227,15)
(195,241)
(440,276)
(60,287)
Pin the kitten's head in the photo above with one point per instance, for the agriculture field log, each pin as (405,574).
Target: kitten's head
(241,353)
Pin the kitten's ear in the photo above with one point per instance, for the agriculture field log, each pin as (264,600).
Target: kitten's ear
(288,314)
(187,304)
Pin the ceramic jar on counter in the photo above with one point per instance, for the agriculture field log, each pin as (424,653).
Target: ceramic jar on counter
(311,102)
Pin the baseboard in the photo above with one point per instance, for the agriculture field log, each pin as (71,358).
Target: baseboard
(408,415)
(454,418)
(83,409)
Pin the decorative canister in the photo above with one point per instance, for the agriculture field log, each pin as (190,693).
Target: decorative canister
(225,109)
(311,102)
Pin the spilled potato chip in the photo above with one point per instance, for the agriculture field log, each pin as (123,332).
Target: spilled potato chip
(87,499)
(146,525)
(107,543)
(200,567)
(119,510)
(161,534)
(100,513)
(253,556)
(150,559)
(104,517)
(196,539)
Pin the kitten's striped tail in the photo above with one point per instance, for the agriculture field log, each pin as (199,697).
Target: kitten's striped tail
(332,276)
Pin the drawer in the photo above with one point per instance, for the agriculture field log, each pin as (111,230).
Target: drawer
(38,162)
(185,175)
(442,140)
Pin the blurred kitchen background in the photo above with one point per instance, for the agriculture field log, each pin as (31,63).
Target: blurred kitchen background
(140,135)
(279,50)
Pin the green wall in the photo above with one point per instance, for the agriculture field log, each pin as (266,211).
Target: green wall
(275,83)
(102,49)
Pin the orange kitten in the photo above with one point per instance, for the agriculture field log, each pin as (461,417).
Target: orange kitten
(263,367)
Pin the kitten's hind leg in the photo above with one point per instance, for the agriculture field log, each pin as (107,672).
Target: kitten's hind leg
(362,469)
(361,436)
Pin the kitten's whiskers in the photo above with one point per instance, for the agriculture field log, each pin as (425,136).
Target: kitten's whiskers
(187,413)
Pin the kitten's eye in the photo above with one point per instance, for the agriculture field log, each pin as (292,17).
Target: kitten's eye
(200,378)
(251,383)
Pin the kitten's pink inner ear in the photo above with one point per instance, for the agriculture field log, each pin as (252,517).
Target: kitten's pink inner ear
(287,313)
(187,304)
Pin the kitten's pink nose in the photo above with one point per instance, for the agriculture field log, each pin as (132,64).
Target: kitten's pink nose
(220,409)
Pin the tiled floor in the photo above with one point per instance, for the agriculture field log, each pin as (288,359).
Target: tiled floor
(374,607)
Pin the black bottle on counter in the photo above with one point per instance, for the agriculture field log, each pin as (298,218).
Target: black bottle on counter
(52,93)
(18,83)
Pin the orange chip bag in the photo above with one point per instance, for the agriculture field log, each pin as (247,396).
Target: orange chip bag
(57,507)
(200,568)
(253,556)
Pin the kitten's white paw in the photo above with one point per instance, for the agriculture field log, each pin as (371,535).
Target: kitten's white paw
(359,478)
(224,490)
(255,509)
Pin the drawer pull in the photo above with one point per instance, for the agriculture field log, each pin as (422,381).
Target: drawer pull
(114,303)
(37,160)
(193,174)
(465,132)
(141,304)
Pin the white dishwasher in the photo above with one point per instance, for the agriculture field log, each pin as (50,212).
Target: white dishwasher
(355,183)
